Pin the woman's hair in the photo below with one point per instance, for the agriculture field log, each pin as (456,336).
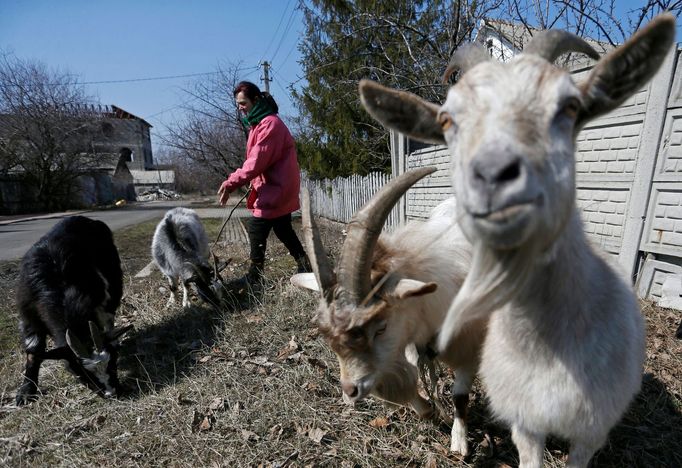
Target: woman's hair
(249,89)
(253,93)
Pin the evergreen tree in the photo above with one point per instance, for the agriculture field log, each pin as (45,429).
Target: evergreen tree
(406,44)
(402,44)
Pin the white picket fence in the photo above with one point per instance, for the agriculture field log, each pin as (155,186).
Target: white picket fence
(338,199)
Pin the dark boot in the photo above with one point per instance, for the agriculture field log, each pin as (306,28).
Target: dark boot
(303,264)
(251,281)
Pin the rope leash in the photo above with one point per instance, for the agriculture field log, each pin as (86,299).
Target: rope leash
(228,218)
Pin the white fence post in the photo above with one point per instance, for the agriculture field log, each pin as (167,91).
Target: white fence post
(646,161)
(339,199)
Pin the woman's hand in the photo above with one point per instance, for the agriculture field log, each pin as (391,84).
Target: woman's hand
(223,194)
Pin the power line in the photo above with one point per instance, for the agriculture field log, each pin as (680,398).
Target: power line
(156,78)
(289,53)
(131,80)
(276,72)
(284,13)
(285,92)
(284,33)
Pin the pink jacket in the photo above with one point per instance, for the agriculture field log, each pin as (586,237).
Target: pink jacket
(272,168)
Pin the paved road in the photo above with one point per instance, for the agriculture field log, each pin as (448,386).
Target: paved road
(17,236)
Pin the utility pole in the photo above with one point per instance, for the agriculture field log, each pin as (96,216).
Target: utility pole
(266,76)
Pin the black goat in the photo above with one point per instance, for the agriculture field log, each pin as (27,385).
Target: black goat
(70,286)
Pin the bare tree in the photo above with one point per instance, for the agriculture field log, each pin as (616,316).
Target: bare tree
(600,20)
(210,136)
(190,176)
(46,130)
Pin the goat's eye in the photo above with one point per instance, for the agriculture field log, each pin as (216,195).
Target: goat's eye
(570,108)
(380,330)
(356,334)
(445,121)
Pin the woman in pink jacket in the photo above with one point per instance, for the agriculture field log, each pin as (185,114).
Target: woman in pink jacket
(272,168)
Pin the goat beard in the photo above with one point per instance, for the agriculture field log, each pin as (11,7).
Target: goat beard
(495,278)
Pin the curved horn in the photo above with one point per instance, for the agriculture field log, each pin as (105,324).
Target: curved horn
(363,232)
(552,43)
(96,335)
(216,274)
(316,254)
(464,58)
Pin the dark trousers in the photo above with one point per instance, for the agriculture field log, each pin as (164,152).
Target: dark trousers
(259,230)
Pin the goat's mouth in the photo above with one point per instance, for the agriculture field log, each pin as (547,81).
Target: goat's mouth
(361,390)
(508,226)
(506,215)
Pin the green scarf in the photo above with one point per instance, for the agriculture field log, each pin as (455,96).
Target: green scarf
(260,110)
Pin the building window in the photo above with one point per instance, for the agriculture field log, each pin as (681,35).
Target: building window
(126,154)
(107,129)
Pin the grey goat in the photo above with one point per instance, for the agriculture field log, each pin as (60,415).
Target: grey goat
(180,249)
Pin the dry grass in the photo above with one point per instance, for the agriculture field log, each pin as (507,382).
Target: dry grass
(257,385)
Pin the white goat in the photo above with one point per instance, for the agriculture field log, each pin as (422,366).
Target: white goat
(391,294)
(565,344)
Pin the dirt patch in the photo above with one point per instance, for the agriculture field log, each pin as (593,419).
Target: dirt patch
(256,384)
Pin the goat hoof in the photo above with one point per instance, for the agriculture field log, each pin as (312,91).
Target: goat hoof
(458,441)
(460,448)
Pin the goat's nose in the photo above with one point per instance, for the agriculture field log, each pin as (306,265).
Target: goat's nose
(349,388)
(496,171)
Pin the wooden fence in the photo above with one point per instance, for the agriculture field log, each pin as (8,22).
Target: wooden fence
(338,199)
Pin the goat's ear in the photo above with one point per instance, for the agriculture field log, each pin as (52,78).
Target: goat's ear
(305,281)
(402,111)
(97,338)
(626,69)
(406,288)
(76,346)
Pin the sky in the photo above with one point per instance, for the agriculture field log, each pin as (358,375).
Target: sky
(125,39)
(141,39)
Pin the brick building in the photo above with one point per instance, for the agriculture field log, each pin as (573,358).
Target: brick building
(121,143)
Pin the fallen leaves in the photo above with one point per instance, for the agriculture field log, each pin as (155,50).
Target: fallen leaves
(314,433)
(92,423)
(379,422)
(202,421)
(317,435)
(291,348)
(218,404)
(249,436)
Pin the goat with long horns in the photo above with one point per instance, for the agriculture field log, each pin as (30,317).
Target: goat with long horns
(388,298)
